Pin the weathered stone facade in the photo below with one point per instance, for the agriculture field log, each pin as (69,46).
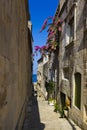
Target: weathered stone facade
(42,75)
(73,59)
(15,63)
(40,79)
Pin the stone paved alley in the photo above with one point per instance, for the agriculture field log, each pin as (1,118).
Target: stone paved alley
(40,116)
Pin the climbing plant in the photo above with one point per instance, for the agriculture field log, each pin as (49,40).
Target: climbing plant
(54,25)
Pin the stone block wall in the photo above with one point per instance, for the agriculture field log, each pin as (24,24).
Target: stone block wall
(15,63)
(76,53)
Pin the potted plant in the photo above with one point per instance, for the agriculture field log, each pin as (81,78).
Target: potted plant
(56,107)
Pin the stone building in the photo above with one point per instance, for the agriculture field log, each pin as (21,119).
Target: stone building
(46,74)
(15,63)
(42,74)
(50,69)
(73,59)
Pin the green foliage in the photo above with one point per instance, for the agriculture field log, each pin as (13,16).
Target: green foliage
(52,100)
(56,107)
(51,86)
(60,110)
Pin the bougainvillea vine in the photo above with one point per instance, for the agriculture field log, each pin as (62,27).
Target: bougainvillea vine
(52,40)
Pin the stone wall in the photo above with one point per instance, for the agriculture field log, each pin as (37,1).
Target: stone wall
(73,56)
(15,63)
(40,77)
(62,3)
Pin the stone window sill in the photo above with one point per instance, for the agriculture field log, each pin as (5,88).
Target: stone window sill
(69,45)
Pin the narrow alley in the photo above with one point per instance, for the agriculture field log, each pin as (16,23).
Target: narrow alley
(41,116)
(43,64)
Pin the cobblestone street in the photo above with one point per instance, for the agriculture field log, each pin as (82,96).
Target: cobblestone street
(40,116)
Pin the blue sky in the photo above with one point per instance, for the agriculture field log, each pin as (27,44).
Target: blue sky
(39,11)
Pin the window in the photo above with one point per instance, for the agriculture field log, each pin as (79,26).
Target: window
(71,25)
(69,31)
(66,72)
(78,90)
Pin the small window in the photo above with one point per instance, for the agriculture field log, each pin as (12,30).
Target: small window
(66,72)
(69,31)
(71,24)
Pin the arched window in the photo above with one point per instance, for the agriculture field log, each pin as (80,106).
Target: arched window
(77,90)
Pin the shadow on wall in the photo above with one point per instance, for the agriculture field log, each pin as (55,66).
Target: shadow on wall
(32,119)
(82,25)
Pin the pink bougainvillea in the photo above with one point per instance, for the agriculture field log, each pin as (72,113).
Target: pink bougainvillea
(43,47)
(60,29)
(46,23)
(37,48)
(55,26)
(51,32)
